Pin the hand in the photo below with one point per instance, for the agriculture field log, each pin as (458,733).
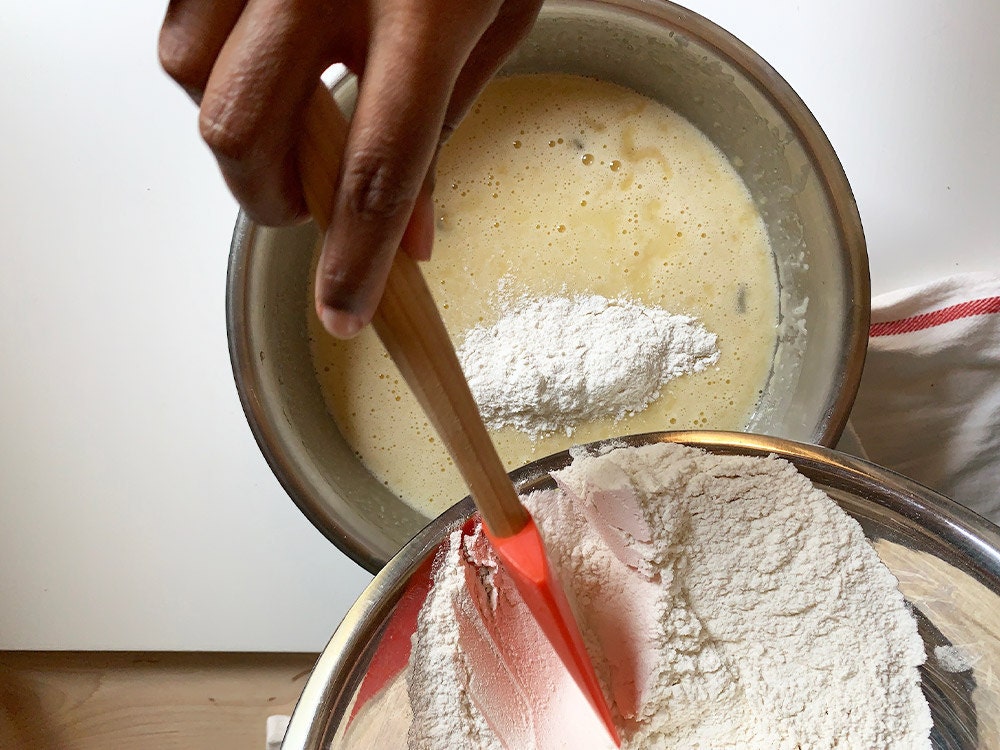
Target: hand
(252,65)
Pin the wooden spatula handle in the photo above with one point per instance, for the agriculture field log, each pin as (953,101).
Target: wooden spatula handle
(410,326)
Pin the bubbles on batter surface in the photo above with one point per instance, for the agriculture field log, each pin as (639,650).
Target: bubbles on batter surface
(565,185)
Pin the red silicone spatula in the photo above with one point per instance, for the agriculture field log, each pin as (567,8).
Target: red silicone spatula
(410,326)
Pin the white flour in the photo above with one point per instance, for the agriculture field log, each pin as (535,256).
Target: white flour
(953,659)
(443,713)
(551,363)
(729,604)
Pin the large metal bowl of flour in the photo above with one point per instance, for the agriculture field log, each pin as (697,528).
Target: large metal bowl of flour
(722,87)
(946,559)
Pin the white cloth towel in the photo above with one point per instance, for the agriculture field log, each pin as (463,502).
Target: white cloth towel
(929,401)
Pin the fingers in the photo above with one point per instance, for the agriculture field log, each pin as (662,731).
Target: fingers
(253,64)
(512,24)
(252,108)
(407,84)
(418,237)
(192,36)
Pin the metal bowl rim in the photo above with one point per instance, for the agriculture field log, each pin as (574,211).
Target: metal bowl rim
(943,518)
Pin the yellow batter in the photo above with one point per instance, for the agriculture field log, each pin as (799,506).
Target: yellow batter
(557,184)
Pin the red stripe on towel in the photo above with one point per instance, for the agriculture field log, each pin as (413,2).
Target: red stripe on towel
(983,306)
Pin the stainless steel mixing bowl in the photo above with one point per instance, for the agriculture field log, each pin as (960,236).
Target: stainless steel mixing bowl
(736,99)
(947,560)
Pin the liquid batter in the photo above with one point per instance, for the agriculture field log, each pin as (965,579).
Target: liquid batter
(558,184)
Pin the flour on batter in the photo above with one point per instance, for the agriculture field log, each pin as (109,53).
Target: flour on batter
(552,363)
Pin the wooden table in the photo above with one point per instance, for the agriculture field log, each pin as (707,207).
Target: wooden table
(142,701)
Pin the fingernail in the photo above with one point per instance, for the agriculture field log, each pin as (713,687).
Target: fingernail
(342,325)
(418,239)
(427,240)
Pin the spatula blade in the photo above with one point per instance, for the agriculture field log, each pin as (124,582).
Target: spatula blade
(525,560)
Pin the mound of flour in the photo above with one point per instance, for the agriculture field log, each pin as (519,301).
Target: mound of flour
(551,363)
(726,601)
